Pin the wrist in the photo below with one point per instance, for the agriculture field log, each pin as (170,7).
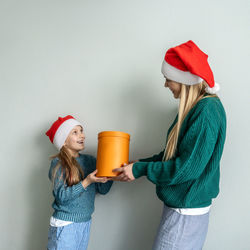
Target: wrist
(86,182)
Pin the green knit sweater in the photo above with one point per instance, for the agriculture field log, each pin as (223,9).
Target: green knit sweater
(191,178)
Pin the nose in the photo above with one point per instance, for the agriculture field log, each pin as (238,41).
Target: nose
(83,136)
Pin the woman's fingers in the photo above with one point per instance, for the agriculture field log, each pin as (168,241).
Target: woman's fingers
(124,173)
(115,178)
(126,179)
(118,170)
(123,177)
(120,176)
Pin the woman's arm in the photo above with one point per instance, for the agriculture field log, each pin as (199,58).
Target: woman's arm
(194,153)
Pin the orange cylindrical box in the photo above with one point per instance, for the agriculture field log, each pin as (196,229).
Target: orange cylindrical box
(112,152)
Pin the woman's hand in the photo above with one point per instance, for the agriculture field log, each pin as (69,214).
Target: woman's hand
(91,178)
(126,173)
(131,162)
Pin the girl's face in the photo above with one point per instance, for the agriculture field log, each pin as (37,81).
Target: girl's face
(75,139)
(175,87)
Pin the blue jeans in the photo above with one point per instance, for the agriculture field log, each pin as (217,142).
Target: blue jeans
(181,232)
(74,236)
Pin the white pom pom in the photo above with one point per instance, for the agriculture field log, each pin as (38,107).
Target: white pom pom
(213,90)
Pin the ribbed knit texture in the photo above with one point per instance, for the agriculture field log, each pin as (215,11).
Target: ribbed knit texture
(76,203)
(191,178)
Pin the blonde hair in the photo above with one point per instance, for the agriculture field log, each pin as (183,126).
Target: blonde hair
(71,168)
(189,96)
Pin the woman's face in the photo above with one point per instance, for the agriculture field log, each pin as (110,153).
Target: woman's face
(175,87)
(75,139)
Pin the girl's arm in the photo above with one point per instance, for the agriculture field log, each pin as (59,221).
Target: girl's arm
(61,190)
(103,188)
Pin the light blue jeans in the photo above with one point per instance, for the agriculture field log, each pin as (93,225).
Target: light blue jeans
(181,232)
(74,236)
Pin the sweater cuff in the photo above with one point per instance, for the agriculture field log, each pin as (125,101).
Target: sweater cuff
(79,188)
(139,169)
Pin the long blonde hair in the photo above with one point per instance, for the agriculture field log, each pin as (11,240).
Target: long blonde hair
(71,168)
(189,96)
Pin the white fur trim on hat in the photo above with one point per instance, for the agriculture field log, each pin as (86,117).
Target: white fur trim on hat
(180,76)
(63,132)
(213,90)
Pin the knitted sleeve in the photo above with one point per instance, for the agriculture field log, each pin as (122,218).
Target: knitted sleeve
(194,153)
(62,192)
(101,188)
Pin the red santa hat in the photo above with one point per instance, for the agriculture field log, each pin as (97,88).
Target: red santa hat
(60,130)
(187,64)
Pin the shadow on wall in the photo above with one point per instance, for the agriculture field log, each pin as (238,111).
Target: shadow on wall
(40,197)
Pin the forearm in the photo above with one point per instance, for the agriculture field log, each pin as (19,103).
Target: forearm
(172,172)
(157,172)
(65,193)
(86,182)
(192,156)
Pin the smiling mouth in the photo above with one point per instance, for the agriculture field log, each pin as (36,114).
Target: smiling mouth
(80,142)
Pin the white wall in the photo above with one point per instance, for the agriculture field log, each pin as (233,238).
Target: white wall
(100,61)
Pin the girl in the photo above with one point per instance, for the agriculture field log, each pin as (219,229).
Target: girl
(74,186)
(186,173)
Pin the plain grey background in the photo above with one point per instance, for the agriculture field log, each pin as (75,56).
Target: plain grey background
(100,61)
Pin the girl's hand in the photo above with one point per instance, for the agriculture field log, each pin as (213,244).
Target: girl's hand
(126,173)
(91,178)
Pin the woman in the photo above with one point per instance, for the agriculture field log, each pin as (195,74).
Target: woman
(186,173)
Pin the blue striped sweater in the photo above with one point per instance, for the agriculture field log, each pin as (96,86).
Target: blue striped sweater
(74,203)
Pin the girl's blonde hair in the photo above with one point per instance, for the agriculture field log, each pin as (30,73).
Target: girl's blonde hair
(189,96)
(70,167)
